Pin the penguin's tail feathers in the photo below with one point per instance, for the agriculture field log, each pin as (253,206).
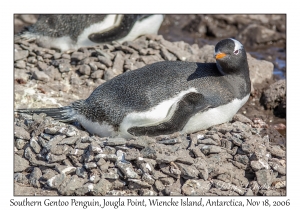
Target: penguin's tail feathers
(26,36)
(63,114)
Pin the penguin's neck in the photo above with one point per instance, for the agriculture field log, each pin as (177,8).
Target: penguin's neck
(239,77)
(242,69)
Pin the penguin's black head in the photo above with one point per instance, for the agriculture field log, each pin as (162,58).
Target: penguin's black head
(230,56)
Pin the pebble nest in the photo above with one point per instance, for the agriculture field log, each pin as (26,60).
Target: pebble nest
(54,158)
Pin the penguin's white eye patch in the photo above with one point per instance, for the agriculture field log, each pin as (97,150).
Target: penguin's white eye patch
(236,52)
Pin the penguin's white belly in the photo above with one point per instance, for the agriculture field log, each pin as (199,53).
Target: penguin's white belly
(149,25)
(214,116)
(138,29)
(154,116)
(101,129)
(84,41)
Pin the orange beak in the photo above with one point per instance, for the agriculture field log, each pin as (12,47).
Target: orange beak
(220,55)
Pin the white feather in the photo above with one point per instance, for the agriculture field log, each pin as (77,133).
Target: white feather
(214,116)
(103,129)
(83,40)
(149,25)
(153,116)
(237,45)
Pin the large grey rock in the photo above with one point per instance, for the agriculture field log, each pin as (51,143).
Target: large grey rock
(118,64)
(55,158)
(20,164)
(275,98)
(174,171)
(102,187)
(40,75)
(264,178)
(277,167)
(21,133)
(159,185)
(77,56)
(127,170)
(259,164)
(195,187)
(97,74)
(107,62)
(35,145)
(70,185)
(188,172)
(34,177)
(85,69)
(83,190)
(56,181)
(20,64)
(183,156)
(260,70)
(149,152)
(227,186)
(21,54)
(135,184)
(276,151)
(260,35)
(21,178)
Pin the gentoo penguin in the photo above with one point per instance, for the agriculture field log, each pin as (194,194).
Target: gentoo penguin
(164,97)
(67,32)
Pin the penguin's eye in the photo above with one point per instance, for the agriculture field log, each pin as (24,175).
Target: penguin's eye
(236,52)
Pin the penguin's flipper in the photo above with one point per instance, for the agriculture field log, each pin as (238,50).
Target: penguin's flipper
(118,31)
(189,105)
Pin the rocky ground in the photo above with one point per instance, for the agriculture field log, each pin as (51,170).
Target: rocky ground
(243,157)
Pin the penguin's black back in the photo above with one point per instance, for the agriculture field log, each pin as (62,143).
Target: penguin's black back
(63,25)
(142,89)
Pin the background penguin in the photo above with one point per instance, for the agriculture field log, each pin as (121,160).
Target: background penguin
(164,97)
(67,32)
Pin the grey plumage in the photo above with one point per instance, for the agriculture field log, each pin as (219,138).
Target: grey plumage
(140,90)
(62,25)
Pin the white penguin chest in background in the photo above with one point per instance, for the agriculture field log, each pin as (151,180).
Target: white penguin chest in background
(149,25)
